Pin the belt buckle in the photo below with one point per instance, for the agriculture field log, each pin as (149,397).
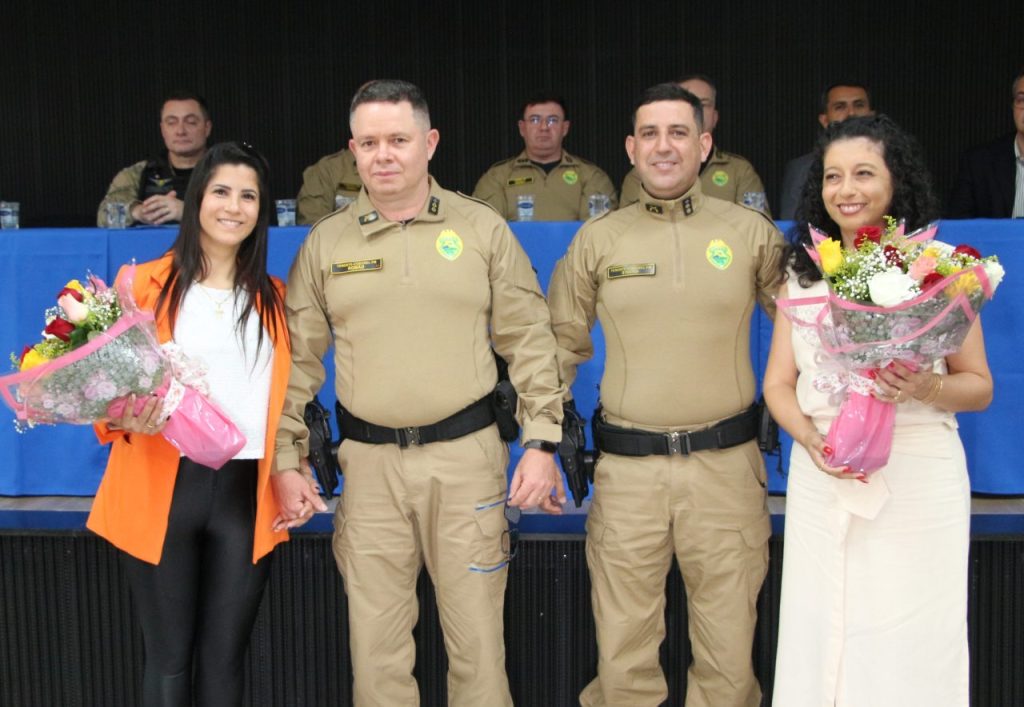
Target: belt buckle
(678,443)
(408,436)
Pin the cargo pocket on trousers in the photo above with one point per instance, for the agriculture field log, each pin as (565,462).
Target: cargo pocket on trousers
(755,536)
(489,520)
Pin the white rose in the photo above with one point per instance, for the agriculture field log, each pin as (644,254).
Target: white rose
(891,287)
(995,273)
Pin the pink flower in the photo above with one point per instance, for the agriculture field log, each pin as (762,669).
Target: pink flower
(921,267)
(76,311)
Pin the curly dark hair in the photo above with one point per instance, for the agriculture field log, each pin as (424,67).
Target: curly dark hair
(913,199)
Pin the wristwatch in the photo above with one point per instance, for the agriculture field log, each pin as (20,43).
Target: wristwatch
(541,444)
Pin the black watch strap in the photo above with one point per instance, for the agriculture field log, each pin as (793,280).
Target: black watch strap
(541,444)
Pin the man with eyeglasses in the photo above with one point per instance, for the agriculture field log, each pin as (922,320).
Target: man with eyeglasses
(991,179)
(723,175)
(153,190)
(544,182)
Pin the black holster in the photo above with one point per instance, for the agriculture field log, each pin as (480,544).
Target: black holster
(323,453)
(577,461)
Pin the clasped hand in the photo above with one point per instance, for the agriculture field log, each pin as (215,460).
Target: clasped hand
(535,476)
(297,496)
(159,209)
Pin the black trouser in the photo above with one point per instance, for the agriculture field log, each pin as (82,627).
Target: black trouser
(197,606)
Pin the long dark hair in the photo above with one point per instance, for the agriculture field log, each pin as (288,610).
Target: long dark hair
(912,197)
(251,276)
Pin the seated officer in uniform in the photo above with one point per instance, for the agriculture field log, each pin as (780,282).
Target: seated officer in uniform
(414,284)
(153,190)
(723,175)
(673,279)
(328,185)
(555,185)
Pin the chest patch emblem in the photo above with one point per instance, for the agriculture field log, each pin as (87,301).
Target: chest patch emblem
(448,244)
(631,270)
(720,177)
(569,176)
(719,254)
(355,266)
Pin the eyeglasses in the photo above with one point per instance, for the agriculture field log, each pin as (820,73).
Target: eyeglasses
(550,120)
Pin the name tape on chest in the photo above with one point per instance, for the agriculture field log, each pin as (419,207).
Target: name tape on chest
(354,266)
(633,270)
(519,181)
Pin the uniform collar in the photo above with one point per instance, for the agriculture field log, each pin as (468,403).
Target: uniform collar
(567,160)
(667,209)
(372,221)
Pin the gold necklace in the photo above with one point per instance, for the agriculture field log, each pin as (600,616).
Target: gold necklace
(218,306)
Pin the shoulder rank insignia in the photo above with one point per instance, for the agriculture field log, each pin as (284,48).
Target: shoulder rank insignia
(368,218)
(349,186)
(719,254)
(569,176)
(720,178)
(435,205)
(448,244)
(654,208)
(519,181)
(632,270)
(354,266)
(688,206)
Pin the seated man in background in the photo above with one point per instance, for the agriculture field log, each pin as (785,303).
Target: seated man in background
(838,102)
(544,182)
(153,190)
(991,179)
(723,175)
(328,185)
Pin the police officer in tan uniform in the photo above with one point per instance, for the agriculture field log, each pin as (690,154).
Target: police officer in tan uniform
(414,283)
(673,278)
(723,175)
(556,185)
(331,183)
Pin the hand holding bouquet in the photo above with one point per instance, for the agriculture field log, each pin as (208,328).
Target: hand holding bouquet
(98,349)
(891,297)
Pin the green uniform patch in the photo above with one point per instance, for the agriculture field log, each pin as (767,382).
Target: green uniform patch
(719,254)
(448,244)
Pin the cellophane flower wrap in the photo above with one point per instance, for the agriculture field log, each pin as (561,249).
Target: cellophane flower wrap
(892,297)
(98,349)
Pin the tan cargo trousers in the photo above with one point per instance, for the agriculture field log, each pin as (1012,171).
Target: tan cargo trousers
(442,505)
(709,509)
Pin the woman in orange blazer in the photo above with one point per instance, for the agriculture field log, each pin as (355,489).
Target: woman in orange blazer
(195,540)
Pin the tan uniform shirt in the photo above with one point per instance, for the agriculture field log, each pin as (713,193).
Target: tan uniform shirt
(123,189)
(332,176)
(412,311)
(673,284)
(561,195)
(726,176)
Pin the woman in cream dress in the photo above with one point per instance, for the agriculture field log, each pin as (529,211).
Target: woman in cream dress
(874,585)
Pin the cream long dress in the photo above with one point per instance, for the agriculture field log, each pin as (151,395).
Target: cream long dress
(874,582)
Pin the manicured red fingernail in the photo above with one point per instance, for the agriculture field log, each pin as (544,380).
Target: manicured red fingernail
(827,449)
(872,375)
(847,470)
(863,479)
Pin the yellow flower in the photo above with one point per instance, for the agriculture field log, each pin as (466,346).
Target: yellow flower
(966,284)
(75,285)
(932,252)
(831,253)
(32,359)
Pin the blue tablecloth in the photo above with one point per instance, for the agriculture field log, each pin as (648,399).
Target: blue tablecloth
(66,460)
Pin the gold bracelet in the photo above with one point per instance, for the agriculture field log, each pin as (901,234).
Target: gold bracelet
(933,392)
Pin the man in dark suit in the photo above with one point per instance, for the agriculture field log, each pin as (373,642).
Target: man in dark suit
(991,179)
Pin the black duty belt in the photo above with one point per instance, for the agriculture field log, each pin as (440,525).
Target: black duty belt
(470,419)
(641,443)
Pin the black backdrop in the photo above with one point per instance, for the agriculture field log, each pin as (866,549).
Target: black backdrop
(81,82)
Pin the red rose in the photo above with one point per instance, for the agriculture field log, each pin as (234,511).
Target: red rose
(893,256)
(871,233)
(967,250)
(929,280)
(61,328)
(71,291)
(23,352)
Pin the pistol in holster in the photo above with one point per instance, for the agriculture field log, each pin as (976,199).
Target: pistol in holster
(504,401)
(767,429)
(323,452)
(577,460)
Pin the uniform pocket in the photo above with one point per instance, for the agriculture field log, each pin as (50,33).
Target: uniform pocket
(490,525)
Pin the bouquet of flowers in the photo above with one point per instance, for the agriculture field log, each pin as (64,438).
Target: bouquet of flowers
(99,348)
(893,296)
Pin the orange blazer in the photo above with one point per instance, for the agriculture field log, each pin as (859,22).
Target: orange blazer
(133,502)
